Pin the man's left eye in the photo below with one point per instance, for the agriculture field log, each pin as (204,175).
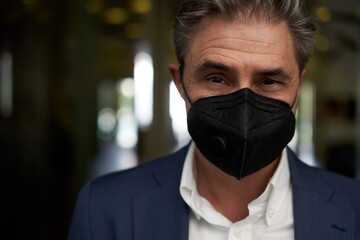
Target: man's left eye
(269,82)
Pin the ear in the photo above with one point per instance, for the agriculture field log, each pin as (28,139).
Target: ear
(302,76)
(176,77)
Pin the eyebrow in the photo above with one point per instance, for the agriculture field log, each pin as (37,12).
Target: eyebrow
(276,72)
(271,72)
(212,65)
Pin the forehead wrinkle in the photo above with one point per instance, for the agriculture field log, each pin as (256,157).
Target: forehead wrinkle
(214,52)
(243,51)
(235,39)
(248,48)
(235,57)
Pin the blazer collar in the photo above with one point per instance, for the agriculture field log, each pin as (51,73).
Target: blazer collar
(316,216)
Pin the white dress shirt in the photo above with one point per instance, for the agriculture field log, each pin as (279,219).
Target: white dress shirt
(270,215)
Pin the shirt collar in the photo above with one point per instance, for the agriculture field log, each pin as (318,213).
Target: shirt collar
(201,208)
(279,188)
(188,189)
(268,203)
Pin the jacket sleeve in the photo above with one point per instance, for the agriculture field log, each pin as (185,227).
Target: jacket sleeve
(80,224)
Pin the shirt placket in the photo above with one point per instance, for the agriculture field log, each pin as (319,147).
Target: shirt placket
(242,230)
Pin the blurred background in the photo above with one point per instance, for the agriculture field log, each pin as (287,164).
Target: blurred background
(84,91)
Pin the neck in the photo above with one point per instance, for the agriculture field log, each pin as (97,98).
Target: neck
(227,195)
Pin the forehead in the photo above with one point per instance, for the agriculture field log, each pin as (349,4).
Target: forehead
(240,40)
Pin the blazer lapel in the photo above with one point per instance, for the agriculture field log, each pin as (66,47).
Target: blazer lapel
(316,216)
(160,213)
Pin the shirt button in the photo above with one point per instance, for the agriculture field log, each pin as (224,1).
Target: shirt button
(238,233)
(271,213)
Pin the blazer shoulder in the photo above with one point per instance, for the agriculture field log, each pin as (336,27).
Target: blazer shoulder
(337,181)
(104,203)
(344,186)
(343,189)
(141,177)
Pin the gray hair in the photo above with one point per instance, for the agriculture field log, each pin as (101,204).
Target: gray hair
(192,12)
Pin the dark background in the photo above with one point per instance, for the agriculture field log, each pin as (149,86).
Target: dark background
(61,50)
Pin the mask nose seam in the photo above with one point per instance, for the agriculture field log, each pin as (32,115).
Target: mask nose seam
(243,160)
(245,136)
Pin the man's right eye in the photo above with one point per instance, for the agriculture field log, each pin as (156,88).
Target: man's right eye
(216,80)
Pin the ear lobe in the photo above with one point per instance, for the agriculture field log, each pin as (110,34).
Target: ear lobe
(176,77)
(302,74)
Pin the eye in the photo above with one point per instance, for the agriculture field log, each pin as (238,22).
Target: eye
(269,82)
(217,80)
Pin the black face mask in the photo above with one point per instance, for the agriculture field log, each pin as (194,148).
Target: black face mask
(241,132)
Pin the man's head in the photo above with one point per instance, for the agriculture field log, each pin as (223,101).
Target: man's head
(193,12)
(241,65)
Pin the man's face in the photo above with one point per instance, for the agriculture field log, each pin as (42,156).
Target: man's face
(224,57)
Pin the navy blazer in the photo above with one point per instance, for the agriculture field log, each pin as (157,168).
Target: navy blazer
(144,203)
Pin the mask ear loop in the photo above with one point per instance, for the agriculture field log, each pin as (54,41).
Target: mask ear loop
(181,70)
(293,104)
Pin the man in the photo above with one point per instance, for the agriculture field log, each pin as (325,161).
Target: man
(241,63)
